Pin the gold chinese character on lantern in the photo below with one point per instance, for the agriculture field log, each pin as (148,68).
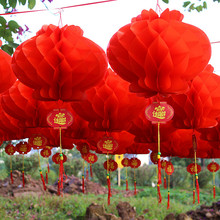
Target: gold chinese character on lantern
(112,167)
(169,169)
(46,152)
(213,167)
(10,150)
(37,141)
(60,119)
(108,145)
(91,158)
(159,112)
(134,163)
(23,148)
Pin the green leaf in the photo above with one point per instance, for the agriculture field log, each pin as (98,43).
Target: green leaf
(31,4)
(13,26)
(13,45)
(205,5)
(3,3)
(2,21)
(199,8)
(185,4)
(23,2)
(12,3)
(8,49)
(166,1)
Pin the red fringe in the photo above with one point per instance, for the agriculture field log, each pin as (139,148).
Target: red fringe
(165,182)
(87,175)
(194,196)
(159,194)
(12,181)
(214,192)
(83,184)
(168,201)
(48,167)
(58,188)
(135,189)
(46,177)
(197,189)
(42,178)
(23,178)
(109,190)
(126,185)
(91,173)
(61,175)
(159,171)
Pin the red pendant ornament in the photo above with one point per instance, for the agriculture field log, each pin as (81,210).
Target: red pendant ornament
(169,169)
(163,165)
(50,63)
(10,149)
(91,158)
(56,158)
(213,167)
(45,152)
(37,141)
(135,163)
(107,145)
(126,163)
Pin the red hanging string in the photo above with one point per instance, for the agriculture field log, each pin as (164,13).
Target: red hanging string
(159,170)
(91,173)
(58,188)
(42,178)
(109,188)
(83,184)
(159,194)
(61,169)
(194,196)
(23,178)
(197,188)
(46,177)
(126,184)
(12,181)
(165,183)
(168,200)
(87,175)
(214,192)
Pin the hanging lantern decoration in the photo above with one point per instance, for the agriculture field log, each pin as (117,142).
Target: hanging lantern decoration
(62,73)
(91,158)
(10,149)
(107,145)
(194,169)
(126,163)
(163,165)
(56,158)
(110,165)
(169,169)
(154,158)
(46,152)
(135,163)
(23,148)
(158,54)
(60,119)
(7,77)
(213,167)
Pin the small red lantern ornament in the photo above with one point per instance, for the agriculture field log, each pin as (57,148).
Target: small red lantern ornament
(163,165)
(83,148)
(107,145)
(135,163)
(213,167)
(37,141)
(126,163)
(10,149)
(56,158)
(159,113)
(169,169)
(23,148)
(154,158)
(46,152)
(91,158)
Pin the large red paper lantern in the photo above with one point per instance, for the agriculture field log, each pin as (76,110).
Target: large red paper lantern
(59,63)
(158,54)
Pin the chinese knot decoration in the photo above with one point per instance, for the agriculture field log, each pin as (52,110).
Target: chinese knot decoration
(10,149)
(169,169)
(107,145)
(213,167)
(126,163)
(37,141)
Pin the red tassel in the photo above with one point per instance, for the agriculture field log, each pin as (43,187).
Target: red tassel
(197,188)
(109,188)
(12,181)
(87,175)
(91,174)
(126,185)
(42,178)
(135,189)
(194,196)
(159,171)
(61,172)
(214,192)
(58,188)
(168,200)
(159,194)
(165,182)
(23,178)
(48,167)
(46,177)
(83,184)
